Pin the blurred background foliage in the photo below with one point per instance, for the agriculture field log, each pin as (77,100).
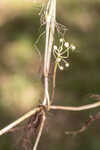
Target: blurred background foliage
(20,83)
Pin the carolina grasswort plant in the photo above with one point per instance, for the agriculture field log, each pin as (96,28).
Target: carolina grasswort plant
(61,53)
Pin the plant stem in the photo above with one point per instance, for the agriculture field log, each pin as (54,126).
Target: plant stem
(54,82)
(40,131)
(50,29)
(18,121)
(77,108)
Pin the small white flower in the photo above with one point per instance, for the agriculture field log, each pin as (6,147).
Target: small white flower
(61,68)
(55,47)
(66,44)
(58,60)
(61,40)
(67,64)
(73,47)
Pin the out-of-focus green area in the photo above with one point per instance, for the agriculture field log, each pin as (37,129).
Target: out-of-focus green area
(20,83)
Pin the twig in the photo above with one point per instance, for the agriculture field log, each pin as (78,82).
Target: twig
(27,115)
(50,17)
(86,125)
(50,29)
(54,83)
(46,94)
(18,121)
(83,128)
(40,131)
(77,108)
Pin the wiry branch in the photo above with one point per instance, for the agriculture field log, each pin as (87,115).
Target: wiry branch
(50,18)
(86,125)
(18,121)
(40,130)
(50,15)
(77,108)
(54,83)
(29,114)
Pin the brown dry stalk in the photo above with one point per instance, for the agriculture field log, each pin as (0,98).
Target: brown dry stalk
(40,131)
(54,83)
(50,16)
(29,114)
(85,125)
(77,108)
(18,121)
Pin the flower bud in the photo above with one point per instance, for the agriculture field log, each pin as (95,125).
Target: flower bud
(73,47)
(61,40)
(58,60)
(61,68)
(67,64)
(55,47)
(66,44)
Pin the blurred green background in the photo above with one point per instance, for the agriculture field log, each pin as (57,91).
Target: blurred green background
(20,84)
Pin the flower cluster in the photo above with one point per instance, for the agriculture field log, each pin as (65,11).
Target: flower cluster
(62,52)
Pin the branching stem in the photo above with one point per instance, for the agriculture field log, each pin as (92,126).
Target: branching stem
(29,114)
(50,17)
